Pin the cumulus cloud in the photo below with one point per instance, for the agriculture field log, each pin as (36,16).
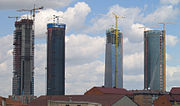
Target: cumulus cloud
(83,48)
(135,18)
(173,2)
(134,81)
(168,57)
(171,40)
(172,76)
(6,62)
(132,47)
(103,22)
(84,76)
(164,13)
(19,4)
(73,17)
(134,63)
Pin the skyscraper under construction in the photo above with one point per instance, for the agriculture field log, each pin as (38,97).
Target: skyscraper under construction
(154,60)
(110,59)
(56,59)
(23,58)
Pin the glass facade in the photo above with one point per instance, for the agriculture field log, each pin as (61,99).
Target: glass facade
(154,69)
(56,59)
(110,59)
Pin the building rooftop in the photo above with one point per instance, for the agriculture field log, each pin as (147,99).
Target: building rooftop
(105,100)
(175,90)
(146,92)
(56,25)
(103,90)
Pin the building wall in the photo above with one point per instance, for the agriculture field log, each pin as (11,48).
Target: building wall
(56,59)
(125,101)
(143,100)
(110,59)
(22,98)
(153,60)
(9,102)
(23,58)
(71,103)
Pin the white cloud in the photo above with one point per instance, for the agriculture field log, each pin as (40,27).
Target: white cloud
(171,70)
(173,2)
(132,47)
(139,77)
(82,48)
(171,40)
(73,17)
(103,22)
(135,18)
(168,57)
(134,63)
(164,13)
(6,62)
(84,76)
(19,4)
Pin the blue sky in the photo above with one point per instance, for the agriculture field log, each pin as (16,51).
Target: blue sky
(85,40)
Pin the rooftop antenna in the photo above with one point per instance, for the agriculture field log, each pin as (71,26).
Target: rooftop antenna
(54,17)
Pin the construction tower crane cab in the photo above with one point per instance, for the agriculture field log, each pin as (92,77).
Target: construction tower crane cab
(32,11)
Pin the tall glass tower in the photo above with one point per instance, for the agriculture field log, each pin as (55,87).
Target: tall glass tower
(154,60)
(56,59)
(110,59)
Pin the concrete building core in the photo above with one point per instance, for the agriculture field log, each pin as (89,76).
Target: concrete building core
(23,58)
(56,59)
(110,59)
(154,60)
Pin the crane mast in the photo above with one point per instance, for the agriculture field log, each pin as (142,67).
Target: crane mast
(164,47)
(116,34)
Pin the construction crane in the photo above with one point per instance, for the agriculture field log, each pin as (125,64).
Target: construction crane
(116,67)
(14,17)
(164,23)
(164,47)
(32,11)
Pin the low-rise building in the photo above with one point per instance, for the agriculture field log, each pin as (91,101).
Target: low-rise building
(103,90)
(146,97)
(72,103)
(9,102)
(162,101)
(83,100)
(25,99)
